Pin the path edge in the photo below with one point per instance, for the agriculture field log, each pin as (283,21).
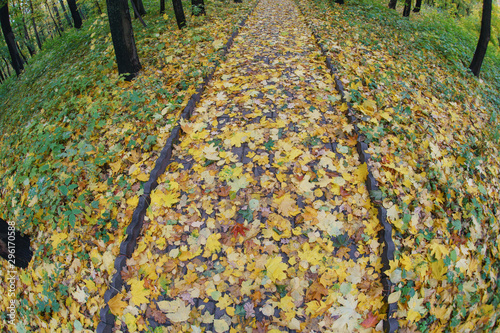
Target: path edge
(127,247)
(391,324)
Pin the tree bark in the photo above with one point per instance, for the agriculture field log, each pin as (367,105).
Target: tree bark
(65,12)
(25,60)
(162,6)
(122,34)
(77,19)
(179,13)
(392,4)
(484,39)
(7,65)
(53,19)
(140,8)
(407,9)
(340,2)
(33,22)
(58,17)
(99,10)
(238,1)
(29,45)
(17,62)
(418,5)
(198,7)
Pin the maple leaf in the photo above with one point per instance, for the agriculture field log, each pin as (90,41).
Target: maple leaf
(371,320)
(176,310)
(286,205)
(349,317)
(316,291)
(276,269)
(238,228)
(138,292)
(80,295)
(116,305)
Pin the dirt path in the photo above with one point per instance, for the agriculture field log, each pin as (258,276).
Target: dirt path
(262,219)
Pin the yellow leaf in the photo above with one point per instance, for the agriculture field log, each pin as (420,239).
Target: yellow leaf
(116,305)
(143,177)
(276,269)
(177,311)
(57,238)
(138,292)
(220,326)
(130,321)
(439,250)
(286,205)
(362,172)
(133,201)
(394,297)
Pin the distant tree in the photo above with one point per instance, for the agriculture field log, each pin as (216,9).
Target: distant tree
(122,34)
(140,8)
(162,6)
(392,4)
(198,7)
(33,22)
(65,12)
(238,1)
(340,2)
(484,39)
(179,13)
(17,62)
(77,19)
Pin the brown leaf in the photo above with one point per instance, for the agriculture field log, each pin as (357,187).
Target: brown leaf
(370,321)
(224,191)
(316,291)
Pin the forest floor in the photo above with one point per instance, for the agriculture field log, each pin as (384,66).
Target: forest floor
(261,221)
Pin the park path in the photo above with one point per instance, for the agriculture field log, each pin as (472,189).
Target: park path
(262,220)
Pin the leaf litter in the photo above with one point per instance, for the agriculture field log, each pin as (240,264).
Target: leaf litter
(259,222)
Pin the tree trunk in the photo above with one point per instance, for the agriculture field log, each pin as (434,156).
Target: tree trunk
(198,7)
(140,8)
(77,19)
(162,6)
(65,12)
(418,5)
(99,10)
(53,19)
(340,2)
(122,34)
(7,65)
(17,62)
(392,4)
(25,60)
(179,13)
(58,17)
(407,9)
(2,78)
(238,1)
(28,43)
(484,39)
(33,22)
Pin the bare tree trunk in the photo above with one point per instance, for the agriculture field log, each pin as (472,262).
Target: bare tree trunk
(162,6)
(77,19)
(418,5)
(99,10)
(53,19)
(33,22)
(58,17)
(484,39)
(17,62)
(179,13)
(407,8)
(122,34)
(65,12)
(30,47)
(392,4)
(7,65)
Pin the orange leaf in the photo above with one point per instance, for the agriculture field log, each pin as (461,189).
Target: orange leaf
(370,321)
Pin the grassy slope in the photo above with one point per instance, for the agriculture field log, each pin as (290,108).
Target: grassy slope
(76,144)
(434,138)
